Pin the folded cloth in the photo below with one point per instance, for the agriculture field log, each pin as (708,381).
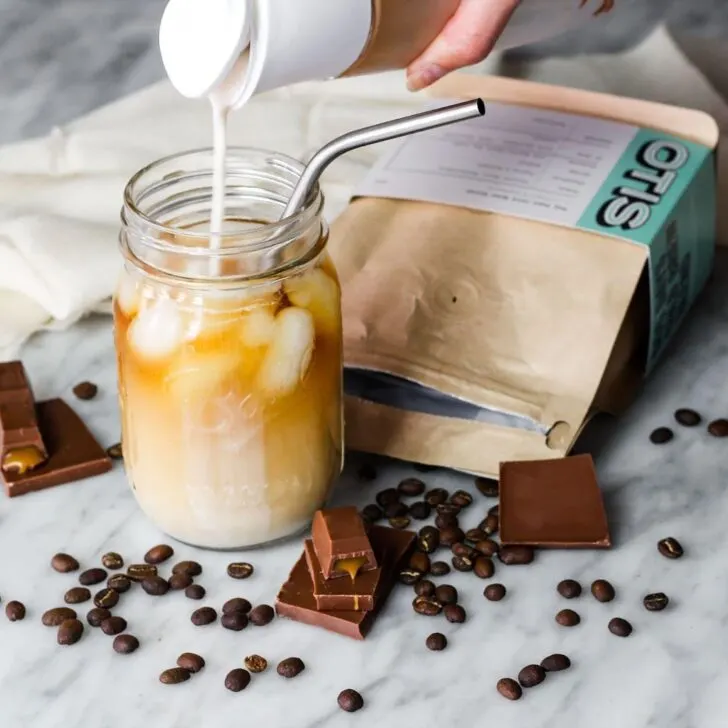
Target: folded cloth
(60,195)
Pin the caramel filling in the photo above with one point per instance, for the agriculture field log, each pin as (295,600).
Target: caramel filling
(350,566)
(22,459)
(356,602)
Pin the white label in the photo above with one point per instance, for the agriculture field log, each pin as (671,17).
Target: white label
(527,162)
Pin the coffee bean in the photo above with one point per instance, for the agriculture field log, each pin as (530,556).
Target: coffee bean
(290,667)
(531,675)
(436,496)
(483,567)
(411,487)
(408,577)
(155,586)
(423,467)
(174,676)
(191,662)
(195,591)
(85,390)
(718,428)
(192,568)
(426,606)
(556,663)
(446,594)
(235,621)
(115,451)
(77,595)
(687,417)
(489,526)
(177,582)
(487,487)
(451,535)
(446,520)
(139,572)
(92,576)
(428,539)
(661,435)
(350,701)
(63,563)
(516,555)
(238,604)
(420,510)
(113,625)
(462,563)
(448,509)
(670,548)
(461,498)
(366,471)
(112,561)
(509,688)
(387,496)
(125,644)
(158,554)
(462,549)
(203,616)
(106,598)
(569,589)
(494,510)
(256,663)
(262,614)
(602,590)
(15,611)
(454,613)
(420,561)
(97,615)
(424,588)
(69,632)
(57,615)
(568,618)
(494,592)
(119,583)
(400,523)
(372,513)
(620,627)
(439,568)
(656,602)
(240,570)
(473,535)
(237,680)
(395,510)
(436,642)
(487,547)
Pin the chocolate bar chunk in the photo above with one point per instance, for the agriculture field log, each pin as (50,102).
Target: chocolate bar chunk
(296,600)
(21,443)
(73,453)
(552,503)
(341,542)
(350,594)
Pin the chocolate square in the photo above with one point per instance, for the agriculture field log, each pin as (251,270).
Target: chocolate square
(339,535)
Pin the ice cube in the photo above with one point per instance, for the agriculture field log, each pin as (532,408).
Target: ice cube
(257,327)
(128,294)
(157,332)
(318,293)
(199,375)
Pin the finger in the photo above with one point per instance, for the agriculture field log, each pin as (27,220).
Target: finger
(468,38)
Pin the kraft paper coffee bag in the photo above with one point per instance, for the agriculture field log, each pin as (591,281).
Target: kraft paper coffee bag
(505,278)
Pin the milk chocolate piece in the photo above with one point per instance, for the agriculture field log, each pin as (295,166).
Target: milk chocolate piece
(552,503)
(296,600)
(73,453)
(341,543)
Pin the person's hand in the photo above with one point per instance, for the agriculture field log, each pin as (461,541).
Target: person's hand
(468,38)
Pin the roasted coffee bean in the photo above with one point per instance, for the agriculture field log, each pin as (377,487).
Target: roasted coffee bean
(509,688)
(85,390)
(396,510)
(462,549)
(238,604)
(687,417)
(461,498)
(236,621)
(420,561)
(439,568)
(15,611)
(656,602)
(473,535)
(451,535)
(620,627)
(436,642)
(531,675)
(494,510)
(670,548)
(139,572)
(203,616)
(155,586)
(125,644)
(568,618)
(556,663)
(350,701)
(436,496)
(427,606)
(97,615)
(718,428)
(424,588)
(92,576)
(158,554)
(187,567)
(487,487)
(408,577)
(191,662)
(174,676)
(462,563)
(63,563)
(448,509)
(112,561)
(113,625)
(602,590)
(454,613)
(179,581)
(569,589)
(494,592)
(290,667)
(366,471)
(515,555)
(387,496)
(420,510)
(372,513)
(240,570)
(57,615)
(195,591)
(661,435)
(70,632)
(77,595)
(119,583)
(487,547)
(256,663)
(106,598)
(115,451)
(411,487)
(489,525)
(483,567)
(237,680)
(446,594)
(446,520)
(400,523)
(428,539)
(262,614)
(423,468)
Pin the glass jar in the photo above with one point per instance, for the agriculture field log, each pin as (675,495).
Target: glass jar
(229,357)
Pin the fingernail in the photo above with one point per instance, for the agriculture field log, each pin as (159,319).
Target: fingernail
(424,76)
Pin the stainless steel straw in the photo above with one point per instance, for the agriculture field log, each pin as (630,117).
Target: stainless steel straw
(373,135)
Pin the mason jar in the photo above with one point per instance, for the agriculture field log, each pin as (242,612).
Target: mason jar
(229,351)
